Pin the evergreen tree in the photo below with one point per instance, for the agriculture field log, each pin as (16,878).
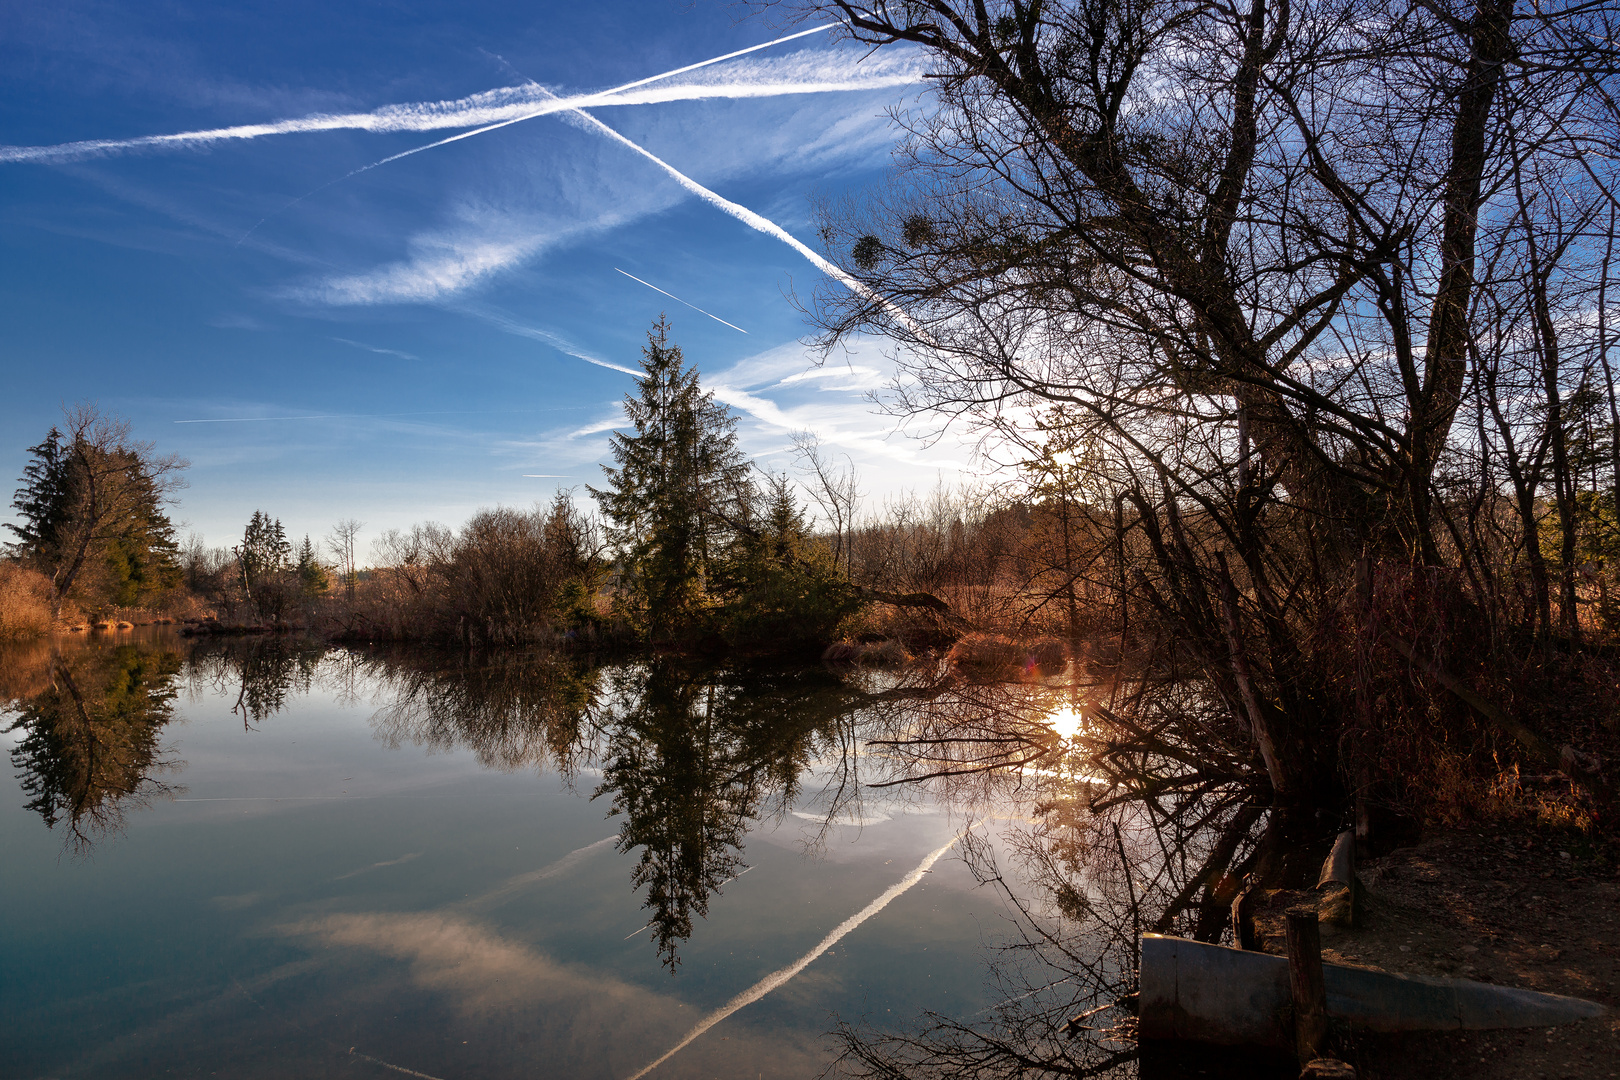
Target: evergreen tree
(313,579)
(780,584)
(263,553)
(678,475)
(42,500)
(92,515)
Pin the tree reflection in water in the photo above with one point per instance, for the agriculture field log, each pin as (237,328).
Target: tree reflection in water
(263,672)
(691,757)
(1149,818)
(694,757)
(90,736)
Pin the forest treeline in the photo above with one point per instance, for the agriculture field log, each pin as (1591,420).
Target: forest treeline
(692,548)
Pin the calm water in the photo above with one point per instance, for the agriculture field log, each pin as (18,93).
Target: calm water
(263,858)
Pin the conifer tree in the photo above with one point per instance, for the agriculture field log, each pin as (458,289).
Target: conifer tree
(264,552)
(678,474)
(780,584)
(91,509)
(313,579)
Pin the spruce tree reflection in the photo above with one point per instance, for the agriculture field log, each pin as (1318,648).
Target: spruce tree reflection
(693,758)
(90,744)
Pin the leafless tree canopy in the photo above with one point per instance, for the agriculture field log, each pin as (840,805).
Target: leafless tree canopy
(1315,285)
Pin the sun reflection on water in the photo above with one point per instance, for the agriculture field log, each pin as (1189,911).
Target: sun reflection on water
(1066,722)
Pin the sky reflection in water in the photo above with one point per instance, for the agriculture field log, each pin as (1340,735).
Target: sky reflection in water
(354,862)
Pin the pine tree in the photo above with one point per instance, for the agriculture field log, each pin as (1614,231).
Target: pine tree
(313,579)
(42,500)
(92,515)
(677,475)
(264,551)
(780,585)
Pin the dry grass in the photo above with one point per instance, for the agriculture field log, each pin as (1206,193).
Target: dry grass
(25,603)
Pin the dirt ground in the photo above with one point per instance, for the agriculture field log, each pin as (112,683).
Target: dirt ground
(1534,911)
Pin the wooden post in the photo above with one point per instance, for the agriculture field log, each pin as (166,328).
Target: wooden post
(1305,982)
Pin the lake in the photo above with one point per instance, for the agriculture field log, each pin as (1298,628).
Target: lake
(264,857)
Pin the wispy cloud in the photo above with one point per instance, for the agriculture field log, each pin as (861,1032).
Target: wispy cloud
(439,266)
(864,376)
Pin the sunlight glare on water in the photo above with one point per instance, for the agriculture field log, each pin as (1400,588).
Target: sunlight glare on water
(1066,722)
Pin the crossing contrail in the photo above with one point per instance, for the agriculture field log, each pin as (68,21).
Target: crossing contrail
(488,109)
(777,978)
(749,218)
(551,106)
(678,300)
(531,85)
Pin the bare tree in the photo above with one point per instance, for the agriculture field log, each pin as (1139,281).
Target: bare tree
(835,489)
(341,541)
(1240,247)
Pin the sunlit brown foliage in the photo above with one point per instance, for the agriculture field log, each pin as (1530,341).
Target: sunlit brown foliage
(25,602)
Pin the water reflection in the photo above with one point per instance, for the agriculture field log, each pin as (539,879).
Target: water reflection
(91,734)
(1110,820)
(692,759)
(266,672)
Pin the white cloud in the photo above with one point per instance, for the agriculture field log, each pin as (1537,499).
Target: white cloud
(439,266)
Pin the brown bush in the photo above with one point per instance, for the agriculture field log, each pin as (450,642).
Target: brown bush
(25,602)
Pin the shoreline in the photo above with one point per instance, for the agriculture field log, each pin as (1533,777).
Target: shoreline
(1529,908)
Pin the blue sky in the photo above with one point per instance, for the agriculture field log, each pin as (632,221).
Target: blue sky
(416,340)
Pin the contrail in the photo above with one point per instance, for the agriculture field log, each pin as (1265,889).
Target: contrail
(728,881)
(491,107)
(375,349)
(678,300)
(396,1068)
(751,219)
(556,341)
(531,84)
(382,416)
(552,869)
(550,107)
(777,978)
(375,866)
(258,419)
(548,476)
